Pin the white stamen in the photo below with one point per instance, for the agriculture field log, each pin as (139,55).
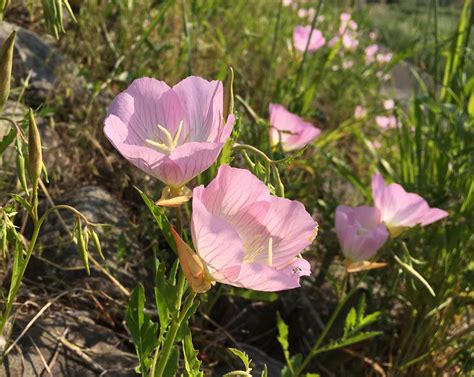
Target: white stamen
(270,251)
(172,142)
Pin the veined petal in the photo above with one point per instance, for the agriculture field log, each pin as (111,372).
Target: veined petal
(202,102)
(216,241)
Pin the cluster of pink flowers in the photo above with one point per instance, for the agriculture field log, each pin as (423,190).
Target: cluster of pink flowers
(240,231)
(362,231)
(303,34)
(389,121)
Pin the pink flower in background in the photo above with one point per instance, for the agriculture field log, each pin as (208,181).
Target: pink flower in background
(386,122)
(360,112)
(388,104)
(370,52)
(243,234)
(173,134)
(311,14)
(301,35)
(345,17)
(360,232)
(384,58)
(353,25)
(320,18)
(287,3)
(289,129)
(347,64)
(373,35)
(302,13)
(400,209)
(349,42)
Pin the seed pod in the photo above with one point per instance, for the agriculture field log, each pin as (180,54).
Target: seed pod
(35,158)
(229,95)
(82,246)
(95,240)
(6,62)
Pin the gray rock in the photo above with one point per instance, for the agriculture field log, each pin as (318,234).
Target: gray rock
(88,349)
(36,55)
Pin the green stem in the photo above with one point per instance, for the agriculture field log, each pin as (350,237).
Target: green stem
(171,336)
(316,348)
(16,284)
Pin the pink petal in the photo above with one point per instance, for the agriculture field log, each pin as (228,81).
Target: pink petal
(202,103)
(216,242)
(301,35)
(290,129)
(192,159)
(232,191)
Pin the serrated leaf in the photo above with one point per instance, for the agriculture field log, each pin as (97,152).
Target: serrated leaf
(350,321)
(351,340)
(242,356)
(192,365)
(142,328)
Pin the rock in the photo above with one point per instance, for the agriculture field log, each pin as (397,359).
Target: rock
(36,55)
(54,156)
(88,349)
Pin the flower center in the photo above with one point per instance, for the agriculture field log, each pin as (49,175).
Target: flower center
(253,251)
(170,143)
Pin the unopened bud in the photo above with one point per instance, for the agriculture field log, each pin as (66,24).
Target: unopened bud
(6,62)
(35,158)
(194,270)
(229,95)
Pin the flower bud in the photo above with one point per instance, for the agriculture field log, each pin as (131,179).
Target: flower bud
(35,159)
(6,62)
(229,94)
(193,268)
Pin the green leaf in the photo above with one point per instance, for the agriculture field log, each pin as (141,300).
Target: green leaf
(160,218)
(350,321)
(171,368)
(351,340)
(7,140)
(165,295)
(264,371)
(192,365)
(142,328)
(294,364)
(283,338)
(242,356)
(121,246)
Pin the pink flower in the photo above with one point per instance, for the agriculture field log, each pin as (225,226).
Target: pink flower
(370,52)
(243,236)
(173,134)
(388,104)
(290,129)
(311,14)
(373,35)
(353,25)
(345,17)
(347,64)
(287,3)
(384,58)
(360,112)
(386,122)
(332,42)
(360,232)
(302,12)
(349,42)
(320,18)
(301,35)
(400,209)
